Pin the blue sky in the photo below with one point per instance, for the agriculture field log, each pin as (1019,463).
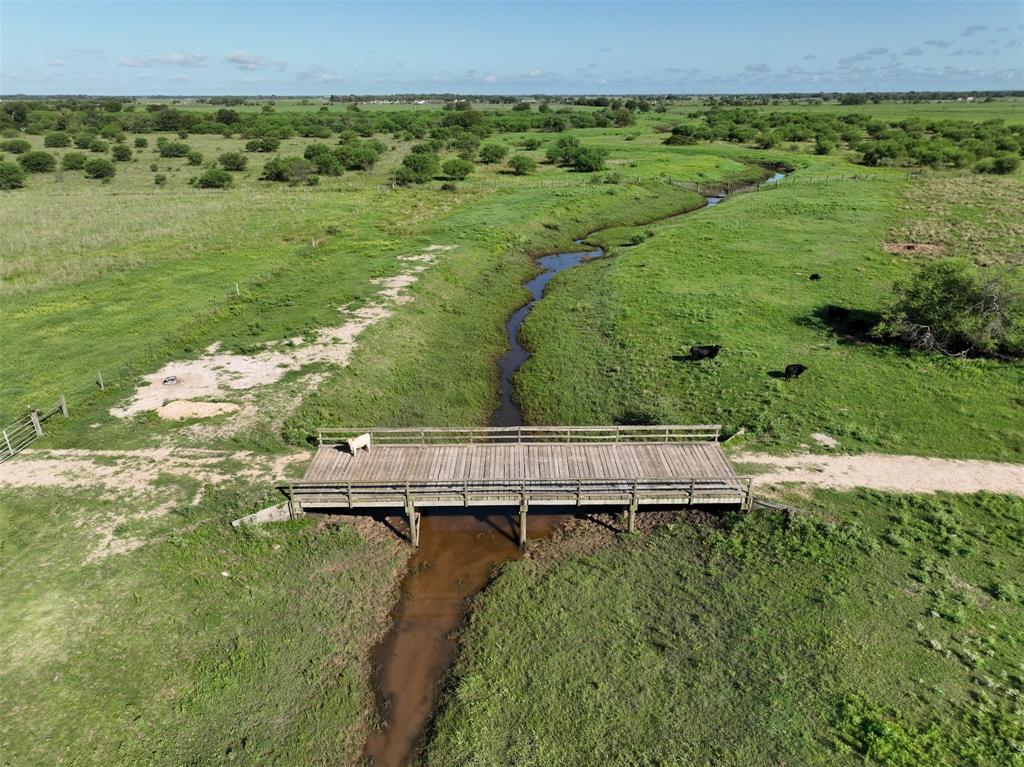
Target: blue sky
(247,48)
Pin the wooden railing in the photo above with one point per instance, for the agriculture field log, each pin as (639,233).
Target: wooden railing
(464,492)
(527,435)
(26,430)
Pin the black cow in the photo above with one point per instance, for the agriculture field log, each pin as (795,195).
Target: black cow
(815,277)
(704,352)
(794,371)
(837,312)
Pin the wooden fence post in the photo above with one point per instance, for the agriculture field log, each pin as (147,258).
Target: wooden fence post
(63,406)
(99,380)
(7,440)
(34,415)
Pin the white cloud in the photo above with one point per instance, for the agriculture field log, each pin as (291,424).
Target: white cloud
(914,50)
(250,62)
(170,60)
(848,61)
(939,43)
(974,29)
(760,67)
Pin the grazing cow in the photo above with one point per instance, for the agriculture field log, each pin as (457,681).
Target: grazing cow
(837,312)
(704,352)
(362,442)
(815,277)
(794,371)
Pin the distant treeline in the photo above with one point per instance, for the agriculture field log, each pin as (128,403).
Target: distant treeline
(989,146)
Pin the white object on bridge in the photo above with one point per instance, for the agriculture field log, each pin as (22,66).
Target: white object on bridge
(362,442)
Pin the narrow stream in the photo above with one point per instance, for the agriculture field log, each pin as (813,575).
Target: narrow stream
(459,549)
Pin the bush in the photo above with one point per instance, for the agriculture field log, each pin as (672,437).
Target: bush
(417,167)
(38,161)
(84,139)
(141,142)
(99,168)
(358,156)
(160,179)
(531,143)
(522,164)
(121,153)
(588,159)
(194,158)
(289,169)
(98,145)
(233,161)
(564,150)
(11,175)
(57,140)
(949,307)
(174,149)
(262,145)
(457,169)
(214,178)
(491,153)
(15,145)
(73,161)
(999,165)
(324,158)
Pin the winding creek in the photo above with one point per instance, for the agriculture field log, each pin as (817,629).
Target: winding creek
(459,549)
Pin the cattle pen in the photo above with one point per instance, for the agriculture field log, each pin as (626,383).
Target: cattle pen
(519,466)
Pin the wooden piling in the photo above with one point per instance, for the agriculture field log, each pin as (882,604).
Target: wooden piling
(631,515)
(63,405)
(34,415)
(414,523)
(523,508)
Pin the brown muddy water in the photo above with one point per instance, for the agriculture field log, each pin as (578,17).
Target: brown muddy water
(459,551)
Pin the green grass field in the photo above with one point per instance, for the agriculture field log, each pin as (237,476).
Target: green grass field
(147,654)
(888,635)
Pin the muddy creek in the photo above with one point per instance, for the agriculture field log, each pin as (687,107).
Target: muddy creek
(459,550)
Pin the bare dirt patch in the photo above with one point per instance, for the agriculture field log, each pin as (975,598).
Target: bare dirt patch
(180,409)
(897,473)
(217,374)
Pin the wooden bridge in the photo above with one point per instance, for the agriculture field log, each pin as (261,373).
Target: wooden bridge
(522,466)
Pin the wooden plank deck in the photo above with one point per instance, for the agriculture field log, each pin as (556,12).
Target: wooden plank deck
(454,463)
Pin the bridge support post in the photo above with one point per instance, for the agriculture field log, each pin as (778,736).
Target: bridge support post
(523,508)
(414,523)
(631,515)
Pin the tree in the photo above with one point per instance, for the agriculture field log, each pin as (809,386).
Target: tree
(11,175)
(99,168)
(949,307)
(56,140)
(324,158)
(233,161)
(457,169)
(999,165)
(73,161)
(417,168)
(588,159)
(824,145)
(361,155)
(521,106)
(214,178)
(121,152)
(265,144)
(491,153)
(522,164)
(37,161)
(141,142)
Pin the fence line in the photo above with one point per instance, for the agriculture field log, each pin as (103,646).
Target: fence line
(27,429)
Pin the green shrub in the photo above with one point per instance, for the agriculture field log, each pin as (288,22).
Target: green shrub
(492,153)
(15,145)
(999,165)
(588,159)
(457,169)
(949,307)
(522,164)
(141,142)
(11,175)
(174,149)
(121,153)
(233,161)
(57,140)
(324,158)
(37,161)
(531,143)
(84,139)
(99,168)
(417,167)
(98,145)
(262,145)
(289,169)
(73,161)
(194,158)
(214,178)
(160,179)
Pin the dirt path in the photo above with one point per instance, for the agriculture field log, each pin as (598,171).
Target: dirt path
(898,473)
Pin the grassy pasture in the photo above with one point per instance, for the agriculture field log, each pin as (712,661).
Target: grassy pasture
(889,635)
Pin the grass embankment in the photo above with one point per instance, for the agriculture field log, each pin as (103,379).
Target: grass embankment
(205,646)
(889,635)
(607,337)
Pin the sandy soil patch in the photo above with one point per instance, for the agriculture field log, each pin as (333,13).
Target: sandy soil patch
(216,374)
(181,409)
(898,473)
(824,439)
